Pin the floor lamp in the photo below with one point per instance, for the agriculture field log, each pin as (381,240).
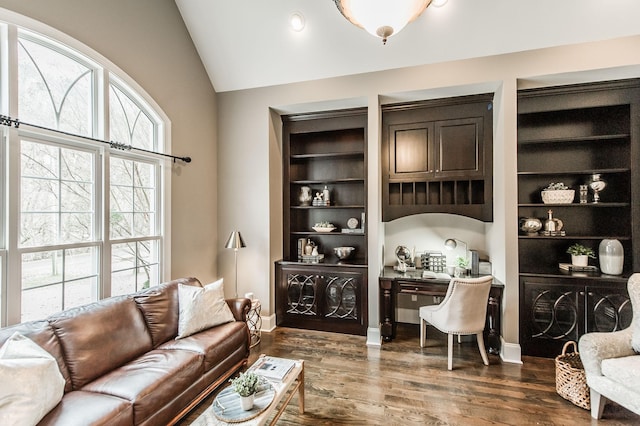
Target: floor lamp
(235,242)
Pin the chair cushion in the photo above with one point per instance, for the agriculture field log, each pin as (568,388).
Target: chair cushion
(151,381)
(624,370)
(31,382)
(633,286)
(100,337)
(159,305)
(202,308)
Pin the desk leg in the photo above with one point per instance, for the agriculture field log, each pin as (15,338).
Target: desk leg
(387,310)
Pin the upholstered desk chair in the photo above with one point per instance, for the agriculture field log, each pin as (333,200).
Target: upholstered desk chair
(463,311)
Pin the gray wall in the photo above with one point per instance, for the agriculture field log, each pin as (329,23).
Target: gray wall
(147,39)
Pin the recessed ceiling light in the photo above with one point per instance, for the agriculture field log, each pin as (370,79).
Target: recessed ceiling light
(439,3)
(296,21)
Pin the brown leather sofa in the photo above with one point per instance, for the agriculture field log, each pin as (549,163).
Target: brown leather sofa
(122,364)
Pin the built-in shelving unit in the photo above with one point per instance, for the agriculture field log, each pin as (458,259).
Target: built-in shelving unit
(568,134)
(321,150)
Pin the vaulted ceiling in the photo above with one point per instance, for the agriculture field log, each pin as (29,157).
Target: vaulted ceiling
(248,43)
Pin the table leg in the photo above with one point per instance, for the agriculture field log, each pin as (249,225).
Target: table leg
(301,391)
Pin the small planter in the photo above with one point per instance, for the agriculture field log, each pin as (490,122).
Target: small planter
(247,402)
(580,260)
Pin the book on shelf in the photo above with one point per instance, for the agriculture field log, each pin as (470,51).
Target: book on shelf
(273,367)
(436,275)
(576,268)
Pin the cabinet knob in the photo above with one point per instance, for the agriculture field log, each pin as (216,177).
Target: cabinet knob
(437,170)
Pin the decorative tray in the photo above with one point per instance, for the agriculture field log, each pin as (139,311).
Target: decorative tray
(323,228)
(226,405)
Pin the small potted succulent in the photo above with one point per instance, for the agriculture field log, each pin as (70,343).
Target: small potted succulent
(557,193)
(580,254)
(462,264)
(246,385)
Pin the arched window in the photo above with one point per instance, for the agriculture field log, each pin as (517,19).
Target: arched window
(83,221)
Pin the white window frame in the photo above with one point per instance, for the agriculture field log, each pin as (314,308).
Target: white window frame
(11,24)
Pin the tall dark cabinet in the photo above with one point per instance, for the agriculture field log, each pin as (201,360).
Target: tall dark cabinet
(321,150)
(568,134)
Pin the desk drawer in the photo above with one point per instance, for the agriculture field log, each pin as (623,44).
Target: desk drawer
(426,289)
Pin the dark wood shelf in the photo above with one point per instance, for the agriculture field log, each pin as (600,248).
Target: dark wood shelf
(593,138)
(333,234)
(573,237)
(572,205)
(327,155)
(353,206)
(575,172)
(326,181)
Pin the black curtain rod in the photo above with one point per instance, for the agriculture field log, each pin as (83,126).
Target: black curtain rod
(8,121)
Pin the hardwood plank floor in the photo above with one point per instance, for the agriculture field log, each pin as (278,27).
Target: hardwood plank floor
(403,384)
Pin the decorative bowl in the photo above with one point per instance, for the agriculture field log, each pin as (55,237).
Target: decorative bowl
(323,228)
(343,252)
(558,196)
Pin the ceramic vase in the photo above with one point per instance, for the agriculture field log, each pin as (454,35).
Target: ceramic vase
(611,255)
(247,402)
(305,196)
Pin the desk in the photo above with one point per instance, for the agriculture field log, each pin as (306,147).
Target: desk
(393,282)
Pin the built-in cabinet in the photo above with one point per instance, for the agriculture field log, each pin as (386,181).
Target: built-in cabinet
(437,157)
(570,134)
(324,151)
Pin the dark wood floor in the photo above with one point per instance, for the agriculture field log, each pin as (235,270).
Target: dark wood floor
(403,384)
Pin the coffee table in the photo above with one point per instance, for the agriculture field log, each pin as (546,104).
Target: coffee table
(285,390)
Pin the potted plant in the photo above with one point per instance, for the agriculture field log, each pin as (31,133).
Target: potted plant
(246,385)
(462,264)
(557,193)
(580,254)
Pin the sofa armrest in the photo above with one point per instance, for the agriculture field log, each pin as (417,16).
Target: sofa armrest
(596,347)
(240,308)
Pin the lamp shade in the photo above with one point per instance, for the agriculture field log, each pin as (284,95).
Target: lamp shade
(381,18)
(235,241)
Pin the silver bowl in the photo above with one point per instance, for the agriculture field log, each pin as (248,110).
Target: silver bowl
(343,252)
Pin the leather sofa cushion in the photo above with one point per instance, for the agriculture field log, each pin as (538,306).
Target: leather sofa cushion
(79,408)
(42,334)
(151,381)
(215,344)
(624,370)
(159,305)
(100,337)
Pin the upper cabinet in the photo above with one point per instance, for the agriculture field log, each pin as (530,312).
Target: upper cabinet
(437,158)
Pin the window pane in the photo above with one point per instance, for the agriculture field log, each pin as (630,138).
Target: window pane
(54,90)
(57,193)
(135,266)
(58,279)
(129,124)
(133,198)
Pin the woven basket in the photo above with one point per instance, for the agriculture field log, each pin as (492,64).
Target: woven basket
(559,196)
(571,381)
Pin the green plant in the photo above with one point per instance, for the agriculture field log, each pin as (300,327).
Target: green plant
(556,186)
(246,384)
(462,262)
(580,250)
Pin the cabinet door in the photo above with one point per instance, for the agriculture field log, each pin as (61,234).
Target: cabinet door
(302,294)
(459,148)
(411,150)
(550,315)
(608,309)
(341,296)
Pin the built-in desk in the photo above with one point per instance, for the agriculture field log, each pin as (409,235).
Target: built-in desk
(411,282)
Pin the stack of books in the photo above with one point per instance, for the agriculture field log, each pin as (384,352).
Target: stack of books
(575,268)
(273,367)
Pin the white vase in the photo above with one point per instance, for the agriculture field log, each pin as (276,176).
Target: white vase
(247,402)
(579,260)
(611,256)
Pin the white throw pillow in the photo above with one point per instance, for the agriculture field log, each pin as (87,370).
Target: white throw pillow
(201,308)
(31,382)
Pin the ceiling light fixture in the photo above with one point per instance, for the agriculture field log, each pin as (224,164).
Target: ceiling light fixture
(381,18)
(296,21)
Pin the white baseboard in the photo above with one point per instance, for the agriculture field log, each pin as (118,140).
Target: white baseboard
(268,323)
(510,352)
(374,338)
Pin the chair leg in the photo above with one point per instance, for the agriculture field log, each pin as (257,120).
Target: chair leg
(597,404)
(483,352)
(450,351)
(423,333)
(459,338)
